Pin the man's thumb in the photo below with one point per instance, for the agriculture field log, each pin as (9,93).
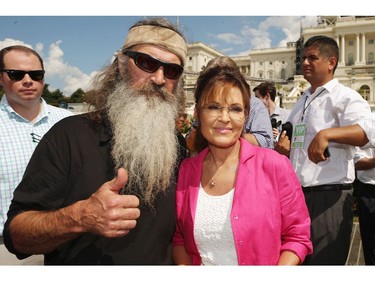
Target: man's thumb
(120,180)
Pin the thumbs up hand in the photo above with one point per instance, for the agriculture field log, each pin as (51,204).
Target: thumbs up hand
(107,213)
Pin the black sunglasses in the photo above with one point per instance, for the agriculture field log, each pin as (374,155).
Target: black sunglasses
(150,64)
(17,75)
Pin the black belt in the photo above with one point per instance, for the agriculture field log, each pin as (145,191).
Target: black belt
(366,186)
(327,187)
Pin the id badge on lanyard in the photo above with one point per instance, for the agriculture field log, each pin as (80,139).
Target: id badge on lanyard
(299,130)
(298,137)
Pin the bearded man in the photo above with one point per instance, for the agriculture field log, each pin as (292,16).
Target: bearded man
(100,187)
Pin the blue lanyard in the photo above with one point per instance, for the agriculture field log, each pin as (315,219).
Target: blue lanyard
(304,105)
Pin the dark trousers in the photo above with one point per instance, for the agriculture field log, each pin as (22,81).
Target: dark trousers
(366,214)
(331,213)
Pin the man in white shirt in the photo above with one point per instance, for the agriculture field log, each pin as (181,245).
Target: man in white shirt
(365,166)
(24,117)
(326,178)
(368,126)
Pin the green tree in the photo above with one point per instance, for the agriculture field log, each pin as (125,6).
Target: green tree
(54,97)
(77,96)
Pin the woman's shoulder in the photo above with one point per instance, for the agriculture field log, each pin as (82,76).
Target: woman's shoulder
(194,163)
(193,160)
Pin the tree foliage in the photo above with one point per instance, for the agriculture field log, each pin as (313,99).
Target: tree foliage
(77,96)
(54,97)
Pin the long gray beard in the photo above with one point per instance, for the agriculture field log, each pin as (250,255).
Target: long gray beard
(144,142)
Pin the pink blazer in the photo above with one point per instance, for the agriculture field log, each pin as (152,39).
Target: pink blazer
(268,215)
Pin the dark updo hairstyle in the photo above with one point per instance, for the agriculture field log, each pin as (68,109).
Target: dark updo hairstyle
(220,74)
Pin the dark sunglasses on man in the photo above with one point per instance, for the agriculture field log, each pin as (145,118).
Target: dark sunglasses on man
(150,64)
(18,75)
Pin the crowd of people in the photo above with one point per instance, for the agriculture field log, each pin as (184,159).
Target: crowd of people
(103,187)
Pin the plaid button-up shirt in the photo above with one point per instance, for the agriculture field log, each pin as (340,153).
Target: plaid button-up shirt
(18,139)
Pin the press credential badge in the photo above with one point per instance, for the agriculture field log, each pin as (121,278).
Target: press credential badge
(298,135)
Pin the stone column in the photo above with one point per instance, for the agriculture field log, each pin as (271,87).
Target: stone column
(357,48)
(338,45)
(342,49)
(363,61)
(195,62)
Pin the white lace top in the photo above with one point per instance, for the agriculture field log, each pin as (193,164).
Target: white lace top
(212,229)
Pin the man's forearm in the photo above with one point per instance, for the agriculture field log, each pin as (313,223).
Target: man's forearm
(35,232)
(365,164)
(351,135)
(264,140)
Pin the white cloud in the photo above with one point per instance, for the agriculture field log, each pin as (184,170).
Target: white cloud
(39,48)
(256,38)
(289,26)
(263,35)
(226,50)
(230,38)
(73,78)
(9,42)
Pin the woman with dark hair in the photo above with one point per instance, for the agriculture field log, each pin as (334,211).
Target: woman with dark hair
(236,203)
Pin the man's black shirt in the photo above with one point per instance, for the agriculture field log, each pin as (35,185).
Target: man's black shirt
(70,163)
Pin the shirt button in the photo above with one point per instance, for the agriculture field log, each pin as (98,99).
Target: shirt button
(235,217)
(240,243)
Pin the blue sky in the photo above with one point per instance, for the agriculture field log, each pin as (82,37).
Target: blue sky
(74,48)
(76,41)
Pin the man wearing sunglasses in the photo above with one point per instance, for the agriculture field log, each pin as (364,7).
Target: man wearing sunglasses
(100,188)
(25,118)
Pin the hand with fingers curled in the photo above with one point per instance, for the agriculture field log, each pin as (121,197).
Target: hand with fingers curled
(283,144)
(318,148)
(109,214)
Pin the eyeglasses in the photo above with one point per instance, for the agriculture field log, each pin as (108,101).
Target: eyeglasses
(18,75)
(150,64)
(214,110)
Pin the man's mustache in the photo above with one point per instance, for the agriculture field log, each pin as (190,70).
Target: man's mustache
(152,89)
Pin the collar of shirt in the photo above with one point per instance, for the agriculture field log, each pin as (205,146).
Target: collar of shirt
(5,106)
(276,112)
(328,86)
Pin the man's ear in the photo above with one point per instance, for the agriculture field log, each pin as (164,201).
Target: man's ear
(332,63)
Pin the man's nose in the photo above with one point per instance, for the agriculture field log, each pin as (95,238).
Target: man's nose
(158,76)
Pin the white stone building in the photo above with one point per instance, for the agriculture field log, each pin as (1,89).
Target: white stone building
(356,69)
(198,56)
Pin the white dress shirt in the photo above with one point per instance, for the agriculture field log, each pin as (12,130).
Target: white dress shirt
(365,176)
(368,125)
(330,106)
(280,114)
